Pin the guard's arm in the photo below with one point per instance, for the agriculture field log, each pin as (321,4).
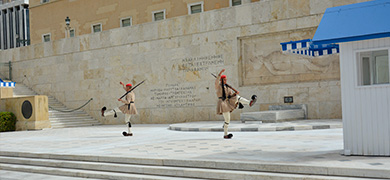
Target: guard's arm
(124,87)
(218,78)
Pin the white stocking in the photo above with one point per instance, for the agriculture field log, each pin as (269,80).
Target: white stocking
(111,112)
(127,120)
(243,100)
(226,116)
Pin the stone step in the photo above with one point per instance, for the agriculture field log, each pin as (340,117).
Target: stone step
(78,112)
(55,103)
(284,168)
(56,126)
(67,125)
(70,172)
(69,117)
(273,116)
(69,114)
(73,124)
(17,175)
(115,170)
(74,118)
(64,110)
(24,94)
(56,108)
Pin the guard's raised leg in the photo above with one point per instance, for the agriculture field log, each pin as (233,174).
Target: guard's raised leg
(253,101)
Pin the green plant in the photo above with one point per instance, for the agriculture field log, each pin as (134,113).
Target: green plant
(7,121)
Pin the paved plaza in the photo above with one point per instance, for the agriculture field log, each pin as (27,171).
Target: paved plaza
(317,148)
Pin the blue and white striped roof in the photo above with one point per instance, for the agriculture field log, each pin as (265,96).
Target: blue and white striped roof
(7,84)
(354,22)
(306,47)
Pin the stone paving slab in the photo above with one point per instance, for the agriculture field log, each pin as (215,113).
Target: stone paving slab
(313,148)
(238,126)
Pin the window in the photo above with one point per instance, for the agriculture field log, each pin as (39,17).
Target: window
(71,33)
(195,8)
(159,15)
(373,67)
(44,1)
(235,2)
(96,28)
(125,22)
(46,37)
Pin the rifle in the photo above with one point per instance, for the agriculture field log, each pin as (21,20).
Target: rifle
(132,89)
(226,84)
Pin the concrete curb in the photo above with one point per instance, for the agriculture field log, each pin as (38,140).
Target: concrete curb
(241,127)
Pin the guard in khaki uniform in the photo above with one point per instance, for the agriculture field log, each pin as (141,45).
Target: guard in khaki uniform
(228,99)
(128,108)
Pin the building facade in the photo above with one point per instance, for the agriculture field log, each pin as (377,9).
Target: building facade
(14,24)
(91,16)
(176,57)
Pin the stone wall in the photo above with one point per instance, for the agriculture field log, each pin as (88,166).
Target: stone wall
(176,57)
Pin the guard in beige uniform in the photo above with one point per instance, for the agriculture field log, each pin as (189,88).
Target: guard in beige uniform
(128,108)
(228,99)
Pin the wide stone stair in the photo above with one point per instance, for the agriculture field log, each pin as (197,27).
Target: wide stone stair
(114,167)
(57,118)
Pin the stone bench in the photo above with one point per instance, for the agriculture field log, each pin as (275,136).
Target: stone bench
(276,113)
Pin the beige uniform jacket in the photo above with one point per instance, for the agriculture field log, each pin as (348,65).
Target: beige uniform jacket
(229,104)
(129,98)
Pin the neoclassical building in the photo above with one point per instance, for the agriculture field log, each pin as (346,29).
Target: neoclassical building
(91,16)
(14,24)
(177,55)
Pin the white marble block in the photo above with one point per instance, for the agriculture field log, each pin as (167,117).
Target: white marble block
(273,116)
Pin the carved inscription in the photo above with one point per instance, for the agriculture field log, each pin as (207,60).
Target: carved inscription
(201,63)
(174,96)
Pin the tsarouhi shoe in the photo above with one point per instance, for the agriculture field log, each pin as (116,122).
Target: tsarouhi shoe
(229,136)
(254,99)
(124,133)
(103,109)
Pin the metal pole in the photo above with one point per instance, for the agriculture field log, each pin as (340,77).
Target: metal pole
(10,70)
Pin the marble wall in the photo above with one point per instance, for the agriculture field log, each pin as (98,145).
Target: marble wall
(177,56)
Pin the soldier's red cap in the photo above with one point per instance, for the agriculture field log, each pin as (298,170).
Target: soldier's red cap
(128,85)
(223,76)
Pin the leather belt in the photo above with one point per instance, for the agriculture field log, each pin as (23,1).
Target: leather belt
(128,105)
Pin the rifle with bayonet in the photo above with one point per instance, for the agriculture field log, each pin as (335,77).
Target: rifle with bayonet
(132,89)
(226,84)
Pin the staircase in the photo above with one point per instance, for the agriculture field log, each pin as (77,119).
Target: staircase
(59,119)
(111,167)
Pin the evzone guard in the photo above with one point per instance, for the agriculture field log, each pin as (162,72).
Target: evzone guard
(228,99)
(128,108)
